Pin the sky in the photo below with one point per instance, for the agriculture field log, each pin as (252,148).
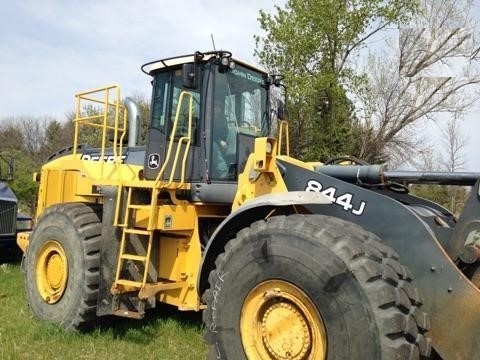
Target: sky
(52,49)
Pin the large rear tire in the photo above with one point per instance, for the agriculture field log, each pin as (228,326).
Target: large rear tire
(62,265)
(312,287)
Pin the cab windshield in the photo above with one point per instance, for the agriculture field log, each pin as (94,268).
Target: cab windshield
(240,96)
(239,108)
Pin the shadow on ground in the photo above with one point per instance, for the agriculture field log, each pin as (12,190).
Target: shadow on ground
(125,328)
(10,255)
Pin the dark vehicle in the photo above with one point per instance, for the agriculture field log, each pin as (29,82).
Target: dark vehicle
(10,221)
(8,216)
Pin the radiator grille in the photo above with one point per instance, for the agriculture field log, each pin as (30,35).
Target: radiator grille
(8,217)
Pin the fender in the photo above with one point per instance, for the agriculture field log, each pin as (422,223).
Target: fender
(256,209)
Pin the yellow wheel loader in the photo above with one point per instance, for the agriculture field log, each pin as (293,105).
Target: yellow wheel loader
(286,259)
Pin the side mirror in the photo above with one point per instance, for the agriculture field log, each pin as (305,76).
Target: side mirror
(189,76)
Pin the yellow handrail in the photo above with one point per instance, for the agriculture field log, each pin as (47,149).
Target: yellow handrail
(283,128)
(184,139)
(107,99)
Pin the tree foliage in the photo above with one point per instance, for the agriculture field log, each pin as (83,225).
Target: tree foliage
(342,101)
(30,141)
(313,44)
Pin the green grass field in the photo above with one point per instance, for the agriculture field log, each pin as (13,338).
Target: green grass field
(164,333)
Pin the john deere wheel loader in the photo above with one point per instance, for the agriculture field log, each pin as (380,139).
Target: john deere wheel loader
(287,259)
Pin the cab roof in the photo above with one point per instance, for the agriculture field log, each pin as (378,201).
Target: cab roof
(198,56)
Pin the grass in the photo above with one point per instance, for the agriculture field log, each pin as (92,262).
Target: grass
(164,333)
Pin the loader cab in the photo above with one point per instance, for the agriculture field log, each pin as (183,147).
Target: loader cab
(207,109)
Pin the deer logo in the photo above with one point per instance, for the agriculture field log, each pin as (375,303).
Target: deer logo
(153,161)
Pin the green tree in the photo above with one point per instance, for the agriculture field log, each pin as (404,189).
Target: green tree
(22,184)
(57,136)
(21,139)
(92,136)
(313,43)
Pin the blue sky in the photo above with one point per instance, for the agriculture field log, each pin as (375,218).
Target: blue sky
(51,49)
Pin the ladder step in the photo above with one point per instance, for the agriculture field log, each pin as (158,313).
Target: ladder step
(128,223)
(138,206)
(133,257)
(128,283)
(129,314)
(137,231)
(150,289)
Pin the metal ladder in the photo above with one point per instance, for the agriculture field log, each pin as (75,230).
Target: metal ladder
(122,284)
(129,228)
(128,224)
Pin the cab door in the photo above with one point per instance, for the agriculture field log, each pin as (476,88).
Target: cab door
(173,134)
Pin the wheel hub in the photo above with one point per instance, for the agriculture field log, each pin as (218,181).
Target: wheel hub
(51,271)
(285,332)
(279,321)
(54,271)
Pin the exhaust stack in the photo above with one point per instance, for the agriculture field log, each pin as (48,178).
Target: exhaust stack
(133,122)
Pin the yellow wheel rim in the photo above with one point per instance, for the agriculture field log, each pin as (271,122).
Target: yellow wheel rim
(51,271)
(279,321)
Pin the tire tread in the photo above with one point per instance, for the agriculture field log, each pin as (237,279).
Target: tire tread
(376,266)
(86,220)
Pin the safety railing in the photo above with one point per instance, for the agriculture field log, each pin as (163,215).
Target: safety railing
(283,132)
(184,141)
(100,117)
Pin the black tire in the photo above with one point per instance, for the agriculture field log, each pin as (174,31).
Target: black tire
(62,265)
(360,291)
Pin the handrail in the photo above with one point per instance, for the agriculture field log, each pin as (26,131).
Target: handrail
(108,102)
(186,139)
(283,128)
(183,139)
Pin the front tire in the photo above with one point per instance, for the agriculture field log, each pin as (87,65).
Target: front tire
(312,287)
(62,265)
